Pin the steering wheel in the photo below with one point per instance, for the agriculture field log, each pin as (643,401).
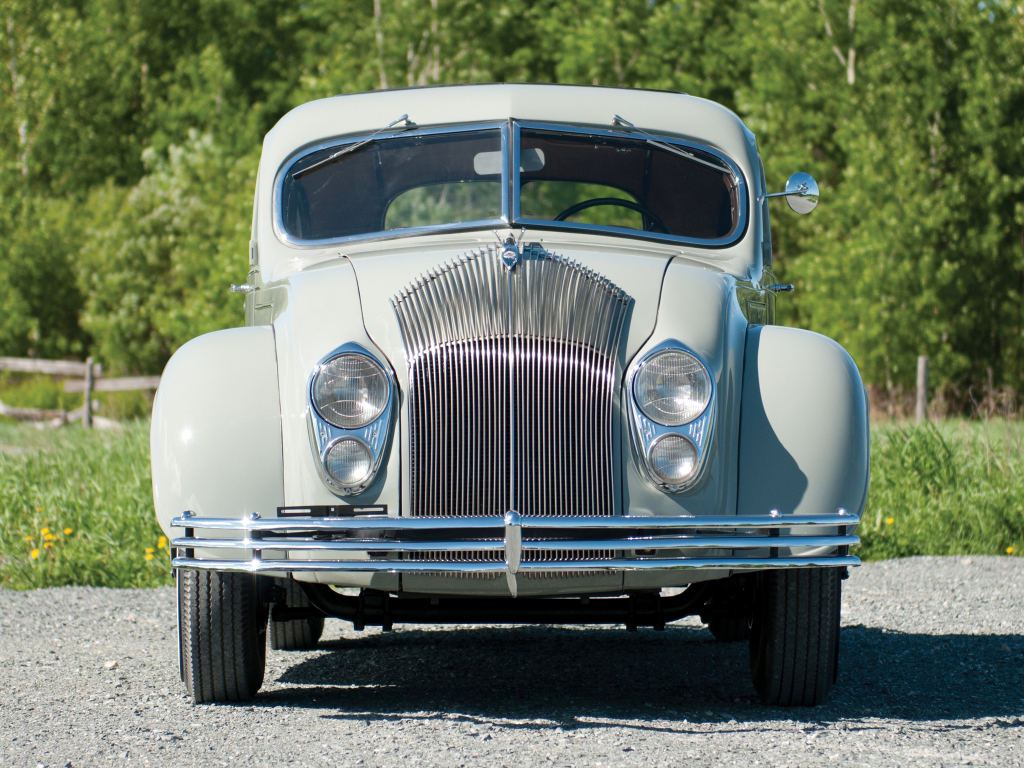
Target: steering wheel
(650,219)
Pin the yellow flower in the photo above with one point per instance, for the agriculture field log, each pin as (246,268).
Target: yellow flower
(1010,550)
(35,553)
(149,555)
(45,531)
(47,545)
(150,550)
(889,521)
(39,509)
(29,538)
(49,537)
(162,542)
(67,531)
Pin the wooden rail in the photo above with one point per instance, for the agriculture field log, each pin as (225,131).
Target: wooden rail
(90,381)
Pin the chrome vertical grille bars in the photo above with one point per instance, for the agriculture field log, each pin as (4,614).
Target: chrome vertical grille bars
(512,378)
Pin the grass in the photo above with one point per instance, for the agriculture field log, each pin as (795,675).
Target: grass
(76,507)
(956,488)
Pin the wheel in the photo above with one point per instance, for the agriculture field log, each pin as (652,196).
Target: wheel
(794,638)
(727,609)
(729,629)
(222,626)
(300,634)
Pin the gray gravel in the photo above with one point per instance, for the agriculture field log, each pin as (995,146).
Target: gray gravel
(931,674)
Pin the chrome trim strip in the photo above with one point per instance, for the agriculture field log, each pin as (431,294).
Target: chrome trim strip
(513,550)
(495,523)
(442,568)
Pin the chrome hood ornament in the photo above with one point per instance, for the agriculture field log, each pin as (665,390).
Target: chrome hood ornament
(510,249)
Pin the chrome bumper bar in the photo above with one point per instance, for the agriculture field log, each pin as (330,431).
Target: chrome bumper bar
(515,544)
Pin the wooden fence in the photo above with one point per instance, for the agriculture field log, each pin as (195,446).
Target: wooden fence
(91,381)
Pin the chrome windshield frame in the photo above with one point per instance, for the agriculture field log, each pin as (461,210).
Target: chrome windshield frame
(510,188)
(390,234)
(737,173)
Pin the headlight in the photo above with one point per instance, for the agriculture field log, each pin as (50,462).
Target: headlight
(672,458)
(350,391)
(348,461)
(673,388)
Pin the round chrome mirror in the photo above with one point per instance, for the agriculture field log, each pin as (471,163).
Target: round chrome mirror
(802,192)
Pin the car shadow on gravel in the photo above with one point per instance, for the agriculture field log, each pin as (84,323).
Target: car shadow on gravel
(553,676)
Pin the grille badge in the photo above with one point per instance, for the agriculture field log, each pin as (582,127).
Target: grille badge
(510,249)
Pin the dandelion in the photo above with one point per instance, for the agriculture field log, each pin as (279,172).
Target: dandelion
(1010,550)
(149,555)
(162,542)
(45,531)
(35,553)
(67,531)
(47,545)
(889,521)
(49,537)
(29,538)
(150,550)
(39,509)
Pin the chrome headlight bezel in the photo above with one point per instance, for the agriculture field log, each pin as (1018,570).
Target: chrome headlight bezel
(646,432)
(374,436)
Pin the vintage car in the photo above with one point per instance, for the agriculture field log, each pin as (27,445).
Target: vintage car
(509,357)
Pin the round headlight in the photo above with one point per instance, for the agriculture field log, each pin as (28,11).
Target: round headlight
(348,461)
(672,458)
(673,388)
(350,391)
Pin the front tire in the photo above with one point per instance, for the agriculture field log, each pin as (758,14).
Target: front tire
(794,642)
(298,634)
(222,625)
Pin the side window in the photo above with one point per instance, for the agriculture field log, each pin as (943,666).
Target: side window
(766,226)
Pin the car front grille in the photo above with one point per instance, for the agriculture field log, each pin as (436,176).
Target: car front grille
(512,379)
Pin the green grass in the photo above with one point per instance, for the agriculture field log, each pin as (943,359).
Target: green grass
(956,488)
(94,484)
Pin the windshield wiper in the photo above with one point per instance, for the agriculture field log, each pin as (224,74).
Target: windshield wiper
(616,120)
(353,147)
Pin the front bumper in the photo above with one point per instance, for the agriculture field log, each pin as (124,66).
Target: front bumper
(513,545)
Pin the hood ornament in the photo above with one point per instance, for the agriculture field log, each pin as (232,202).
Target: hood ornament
(510,250)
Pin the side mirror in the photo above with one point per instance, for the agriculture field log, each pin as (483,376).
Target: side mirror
(801,192)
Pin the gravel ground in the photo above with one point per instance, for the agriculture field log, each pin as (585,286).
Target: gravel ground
(932,667)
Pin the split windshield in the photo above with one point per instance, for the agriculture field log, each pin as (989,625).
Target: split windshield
(627,184)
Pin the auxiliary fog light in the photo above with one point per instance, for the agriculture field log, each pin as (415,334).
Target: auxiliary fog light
(672,458)
(348,461)
(673,388)
(350,391)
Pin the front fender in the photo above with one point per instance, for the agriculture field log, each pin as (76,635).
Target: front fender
(803,425)
(215,443)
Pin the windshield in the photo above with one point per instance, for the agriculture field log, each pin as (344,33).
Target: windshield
(567,177)
(394,183)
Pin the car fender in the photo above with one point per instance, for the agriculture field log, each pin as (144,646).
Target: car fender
(803,425)
(215,441)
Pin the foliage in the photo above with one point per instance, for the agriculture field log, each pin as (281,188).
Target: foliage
(909,113)
(76,507)
(158,262)
(942,491)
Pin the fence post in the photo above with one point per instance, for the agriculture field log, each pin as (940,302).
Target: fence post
(922,388)
(87,417)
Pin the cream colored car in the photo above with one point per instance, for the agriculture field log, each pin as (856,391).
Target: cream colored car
(509,357)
